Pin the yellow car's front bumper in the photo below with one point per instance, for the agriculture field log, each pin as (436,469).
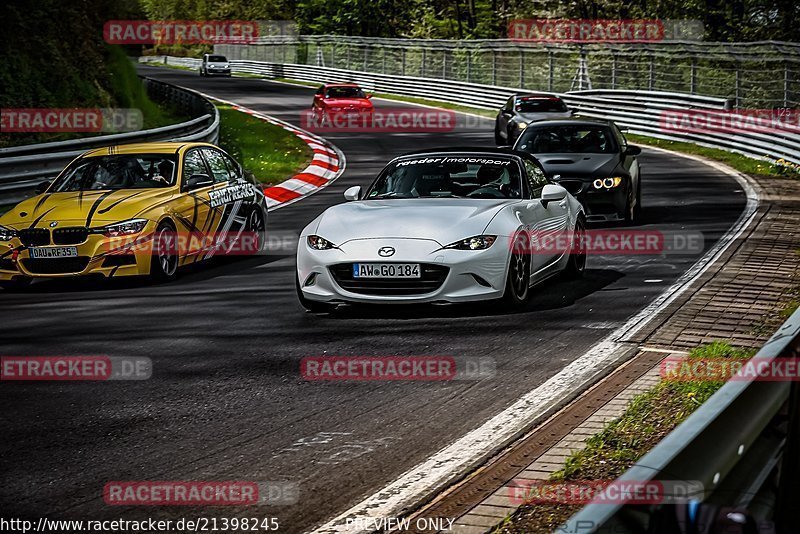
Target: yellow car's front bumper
(96,255)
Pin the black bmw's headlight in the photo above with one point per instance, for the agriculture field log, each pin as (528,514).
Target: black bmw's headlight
(607,183)
(478,242)
(7,234)
(319,243)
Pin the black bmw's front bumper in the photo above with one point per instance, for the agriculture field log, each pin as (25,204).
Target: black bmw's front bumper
(601,205)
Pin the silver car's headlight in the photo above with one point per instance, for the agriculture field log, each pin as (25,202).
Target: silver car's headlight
(479,242)
(7,234)
(522,125)
(320,243)
(133,226)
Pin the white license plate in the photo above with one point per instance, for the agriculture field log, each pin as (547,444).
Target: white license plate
(386,270)
(53,252)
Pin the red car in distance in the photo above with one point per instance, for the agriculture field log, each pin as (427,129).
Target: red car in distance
(336,99)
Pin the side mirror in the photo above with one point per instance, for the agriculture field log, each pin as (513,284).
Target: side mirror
(42,187)
(353,193)
(633,150)
(552,193)
(369,95)
(556,177)
(198,181)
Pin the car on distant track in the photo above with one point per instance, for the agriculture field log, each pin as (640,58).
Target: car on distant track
(592,159)
(439,226)
(118,211)
(522,109)
(215,65)
(333,100)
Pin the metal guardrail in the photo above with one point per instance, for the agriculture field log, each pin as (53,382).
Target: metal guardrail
(639,111)
(734,444)
(24,167)
(755,75)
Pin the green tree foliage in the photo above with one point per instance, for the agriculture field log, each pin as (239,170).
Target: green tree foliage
(725,20)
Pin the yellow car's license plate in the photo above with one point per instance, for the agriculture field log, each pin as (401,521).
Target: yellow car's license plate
(53,252)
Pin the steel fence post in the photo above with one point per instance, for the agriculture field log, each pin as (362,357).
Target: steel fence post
(738,87)
(494,67)
(422,64)
(693,77)
(469,65)
(521,68)
(786,84)
(550,70)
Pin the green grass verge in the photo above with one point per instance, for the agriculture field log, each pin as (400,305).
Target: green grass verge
(130,93)
(737,161)
(125,91)
(271,153)
(609,453)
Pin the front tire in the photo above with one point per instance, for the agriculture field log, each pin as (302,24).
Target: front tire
(498,140)
(630,209)
(311,306)
(518,279)
(164,261)
(576,264)
(256,224)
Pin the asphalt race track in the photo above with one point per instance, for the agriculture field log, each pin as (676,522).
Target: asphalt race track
(226,400)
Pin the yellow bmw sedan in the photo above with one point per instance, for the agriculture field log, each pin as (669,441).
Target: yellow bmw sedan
(143,209)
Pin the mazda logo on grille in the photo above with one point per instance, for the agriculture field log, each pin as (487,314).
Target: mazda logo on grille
(53,224)
(385,252)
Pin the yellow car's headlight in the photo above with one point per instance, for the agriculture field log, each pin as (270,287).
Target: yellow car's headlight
(133,226)
(7,234)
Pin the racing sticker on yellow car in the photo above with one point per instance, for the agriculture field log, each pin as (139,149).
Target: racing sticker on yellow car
(231,194)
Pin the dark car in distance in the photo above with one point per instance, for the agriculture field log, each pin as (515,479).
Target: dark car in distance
(520,110)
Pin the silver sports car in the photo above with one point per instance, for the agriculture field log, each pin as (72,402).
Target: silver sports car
(442,226)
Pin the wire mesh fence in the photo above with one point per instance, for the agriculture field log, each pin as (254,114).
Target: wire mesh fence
(751,75)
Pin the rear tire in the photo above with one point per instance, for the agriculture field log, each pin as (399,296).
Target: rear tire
(312,306)
(164,260)
(518,279)
(576,264)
